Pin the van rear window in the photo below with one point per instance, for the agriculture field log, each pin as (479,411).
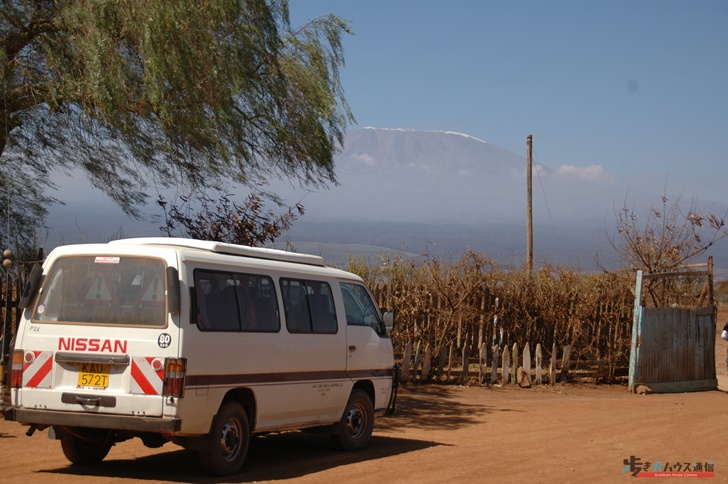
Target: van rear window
(109,290)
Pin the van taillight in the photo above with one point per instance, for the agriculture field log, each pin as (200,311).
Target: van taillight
(174,377)
(16,370)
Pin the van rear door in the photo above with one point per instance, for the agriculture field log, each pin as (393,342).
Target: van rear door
(97,338)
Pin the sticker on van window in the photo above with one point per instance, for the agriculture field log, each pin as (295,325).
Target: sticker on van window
(107,260)
(164,340)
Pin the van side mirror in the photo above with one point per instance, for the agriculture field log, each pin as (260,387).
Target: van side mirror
(172,290)
(389,320)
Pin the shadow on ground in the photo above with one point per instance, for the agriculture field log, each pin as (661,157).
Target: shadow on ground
(272,457)
(296,454)
(432,407)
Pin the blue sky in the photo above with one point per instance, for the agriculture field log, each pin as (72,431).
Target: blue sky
(634,91)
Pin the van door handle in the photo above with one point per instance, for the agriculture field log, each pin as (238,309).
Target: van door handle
(352,348)
(88,400)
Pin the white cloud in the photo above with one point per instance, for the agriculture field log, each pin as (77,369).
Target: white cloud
(588,173)
(366,159)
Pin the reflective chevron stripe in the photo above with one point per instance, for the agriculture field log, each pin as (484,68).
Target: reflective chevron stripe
(147,374)
(37,366)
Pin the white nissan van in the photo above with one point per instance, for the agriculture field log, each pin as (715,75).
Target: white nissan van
(198,343)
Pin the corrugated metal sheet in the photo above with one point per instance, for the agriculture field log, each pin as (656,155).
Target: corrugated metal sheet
(673,349)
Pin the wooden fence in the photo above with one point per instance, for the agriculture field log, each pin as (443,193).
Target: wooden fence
(9,317)
(502,366)
(12,283)
(593,320)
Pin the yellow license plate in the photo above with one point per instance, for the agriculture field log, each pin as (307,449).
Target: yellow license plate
(94,375)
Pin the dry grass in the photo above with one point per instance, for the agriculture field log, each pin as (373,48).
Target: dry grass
(454,304)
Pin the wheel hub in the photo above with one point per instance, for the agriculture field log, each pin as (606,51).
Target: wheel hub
(230,439)
(355,421)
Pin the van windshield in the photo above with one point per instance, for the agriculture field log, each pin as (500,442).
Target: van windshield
(126,291)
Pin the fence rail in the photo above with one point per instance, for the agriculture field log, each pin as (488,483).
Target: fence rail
(503,366)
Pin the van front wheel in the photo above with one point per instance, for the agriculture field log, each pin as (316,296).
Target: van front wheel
(228,441)
(354,430)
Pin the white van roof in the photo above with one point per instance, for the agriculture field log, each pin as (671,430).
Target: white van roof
(223,248)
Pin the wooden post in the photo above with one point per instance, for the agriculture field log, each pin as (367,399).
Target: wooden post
(426,363)
(466,363)
(482,367)
(710,281)
(514,366)
(460,331)
(7,322)
(529,205)
(494,366)
(527,361)
(449,363)
(707,291)
(539,363)
(495,321)
(506,365)
(416,366)
(552,367)
(565,363)
(481,321)
(441,362)
(406,360)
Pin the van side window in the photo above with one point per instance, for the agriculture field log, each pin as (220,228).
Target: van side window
(230,301)
(360,309)
(309,306)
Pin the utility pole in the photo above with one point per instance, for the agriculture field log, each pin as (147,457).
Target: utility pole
(529,206)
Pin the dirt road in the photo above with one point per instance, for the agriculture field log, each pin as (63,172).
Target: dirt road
(566,433)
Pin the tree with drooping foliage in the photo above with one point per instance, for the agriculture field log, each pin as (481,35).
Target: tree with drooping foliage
(170,92)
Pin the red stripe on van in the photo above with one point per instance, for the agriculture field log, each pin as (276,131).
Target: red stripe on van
(42,371)
(141,380)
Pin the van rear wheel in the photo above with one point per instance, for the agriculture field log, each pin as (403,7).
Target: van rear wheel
(83,452)
(228,441)
(354,430)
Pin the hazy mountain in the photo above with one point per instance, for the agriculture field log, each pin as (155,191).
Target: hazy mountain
(442,192)
(423,176)
(419,192)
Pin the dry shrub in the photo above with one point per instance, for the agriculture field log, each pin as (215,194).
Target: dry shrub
(454,304)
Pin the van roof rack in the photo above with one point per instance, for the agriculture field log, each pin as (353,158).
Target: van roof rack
(230,249)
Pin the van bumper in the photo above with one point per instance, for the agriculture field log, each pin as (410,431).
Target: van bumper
(93,420)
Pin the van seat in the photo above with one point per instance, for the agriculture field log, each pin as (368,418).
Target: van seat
(222,310)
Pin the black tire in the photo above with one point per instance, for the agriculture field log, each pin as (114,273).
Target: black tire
(354,430)
(228,441)
(83,452)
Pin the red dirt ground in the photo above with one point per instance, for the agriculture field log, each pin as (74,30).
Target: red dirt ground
(566,433)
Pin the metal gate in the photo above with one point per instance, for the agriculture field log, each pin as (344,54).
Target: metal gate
(673,343)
